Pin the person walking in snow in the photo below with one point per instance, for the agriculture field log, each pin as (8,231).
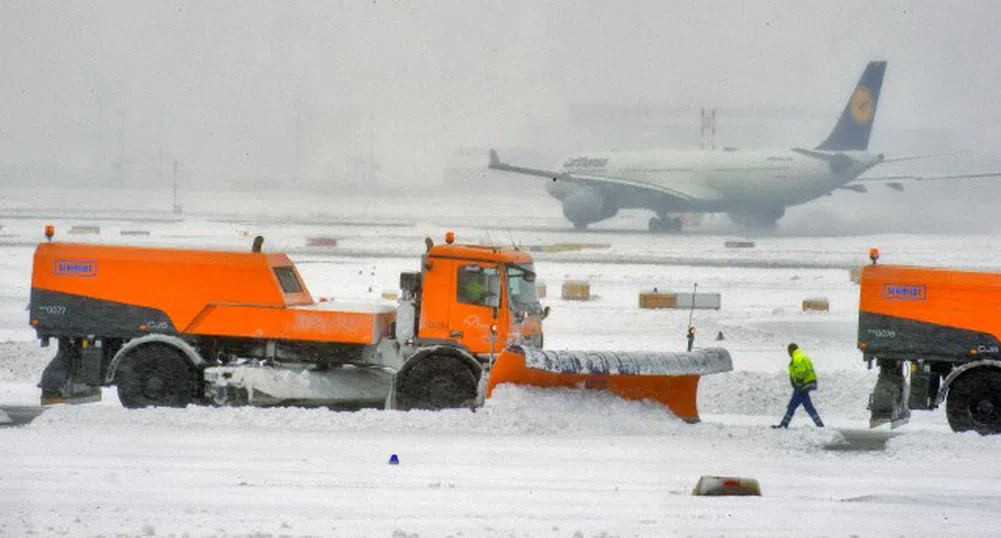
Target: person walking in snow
(803,380)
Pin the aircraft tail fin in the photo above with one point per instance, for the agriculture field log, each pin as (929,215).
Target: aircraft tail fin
(855,125)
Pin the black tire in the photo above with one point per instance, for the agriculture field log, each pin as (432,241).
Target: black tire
(155,376)
(436,382)
(974,402)
(664,225)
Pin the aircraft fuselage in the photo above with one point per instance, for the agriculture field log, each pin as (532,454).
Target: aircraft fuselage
(727,181)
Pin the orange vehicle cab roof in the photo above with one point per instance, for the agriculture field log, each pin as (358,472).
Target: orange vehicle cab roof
(481,253)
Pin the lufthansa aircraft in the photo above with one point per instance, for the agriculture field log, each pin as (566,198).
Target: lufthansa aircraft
(752,187)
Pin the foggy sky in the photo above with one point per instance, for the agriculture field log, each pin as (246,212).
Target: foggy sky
(295,92)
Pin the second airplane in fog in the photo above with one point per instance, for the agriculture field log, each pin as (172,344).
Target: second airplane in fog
(753,187)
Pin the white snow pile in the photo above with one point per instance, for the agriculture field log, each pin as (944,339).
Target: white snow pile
(512,410)
(841,393)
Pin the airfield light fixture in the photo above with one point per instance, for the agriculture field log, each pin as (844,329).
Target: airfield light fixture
(450,237)
(50,231)
(874,255)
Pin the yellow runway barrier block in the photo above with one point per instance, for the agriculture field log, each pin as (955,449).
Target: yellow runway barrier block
(817,304)
(576,290)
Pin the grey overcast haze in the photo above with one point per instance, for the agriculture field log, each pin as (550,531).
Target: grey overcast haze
(297,94)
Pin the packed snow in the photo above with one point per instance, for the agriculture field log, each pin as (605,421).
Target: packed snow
(530,462)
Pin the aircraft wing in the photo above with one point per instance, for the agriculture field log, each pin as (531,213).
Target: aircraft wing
(686,191)
(897,182)
(905,177)
(496,164)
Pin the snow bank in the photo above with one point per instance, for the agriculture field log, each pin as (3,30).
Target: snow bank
(841,393)
(513,410)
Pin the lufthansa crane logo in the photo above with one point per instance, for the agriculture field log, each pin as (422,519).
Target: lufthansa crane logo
(862,105)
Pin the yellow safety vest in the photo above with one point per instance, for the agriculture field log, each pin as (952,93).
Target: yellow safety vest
(801,373)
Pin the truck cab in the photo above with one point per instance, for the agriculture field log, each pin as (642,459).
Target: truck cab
(481,297)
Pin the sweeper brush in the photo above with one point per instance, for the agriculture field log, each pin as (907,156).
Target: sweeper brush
(671,379)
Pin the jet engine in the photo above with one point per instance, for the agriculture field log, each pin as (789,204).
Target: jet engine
(586,206)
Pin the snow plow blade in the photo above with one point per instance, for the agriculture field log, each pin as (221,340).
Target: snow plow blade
(668,378)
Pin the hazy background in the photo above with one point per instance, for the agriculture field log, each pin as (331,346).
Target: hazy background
(340,96)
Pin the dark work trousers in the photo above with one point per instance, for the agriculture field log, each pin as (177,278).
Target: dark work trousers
(801,397)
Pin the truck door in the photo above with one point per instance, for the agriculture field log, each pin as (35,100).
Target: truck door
(438,299)
(477,296)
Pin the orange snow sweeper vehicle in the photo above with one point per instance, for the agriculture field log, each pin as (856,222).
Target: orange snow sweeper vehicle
(172,327)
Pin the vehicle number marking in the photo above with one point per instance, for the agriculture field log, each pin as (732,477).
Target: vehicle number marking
(882,333)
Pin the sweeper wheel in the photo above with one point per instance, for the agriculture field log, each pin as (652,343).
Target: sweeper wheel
(437,381)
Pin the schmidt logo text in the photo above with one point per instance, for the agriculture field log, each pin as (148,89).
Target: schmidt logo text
(904,292)
(83,268)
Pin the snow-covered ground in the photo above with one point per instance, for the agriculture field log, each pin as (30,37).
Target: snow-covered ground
(530,462)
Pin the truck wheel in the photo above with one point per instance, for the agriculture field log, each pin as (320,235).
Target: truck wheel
(436,382)
(974,402)
(155,375)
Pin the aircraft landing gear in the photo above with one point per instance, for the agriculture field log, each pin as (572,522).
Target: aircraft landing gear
(665,224)
(764,221)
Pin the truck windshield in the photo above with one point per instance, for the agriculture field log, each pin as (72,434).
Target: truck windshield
(521,288)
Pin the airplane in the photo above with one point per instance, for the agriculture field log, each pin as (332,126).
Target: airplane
(753,187)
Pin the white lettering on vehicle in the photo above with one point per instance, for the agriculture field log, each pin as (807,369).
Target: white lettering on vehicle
(882,333)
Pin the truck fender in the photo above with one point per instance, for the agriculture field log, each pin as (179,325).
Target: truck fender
(185,348)
(943,391)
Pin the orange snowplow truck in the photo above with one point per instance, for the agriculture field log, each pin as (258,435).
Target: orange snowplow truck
(934,334)
(173,327)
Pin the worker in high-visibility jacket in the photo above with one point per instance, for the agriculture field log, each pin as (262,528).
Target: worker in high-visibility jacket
(803,380)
